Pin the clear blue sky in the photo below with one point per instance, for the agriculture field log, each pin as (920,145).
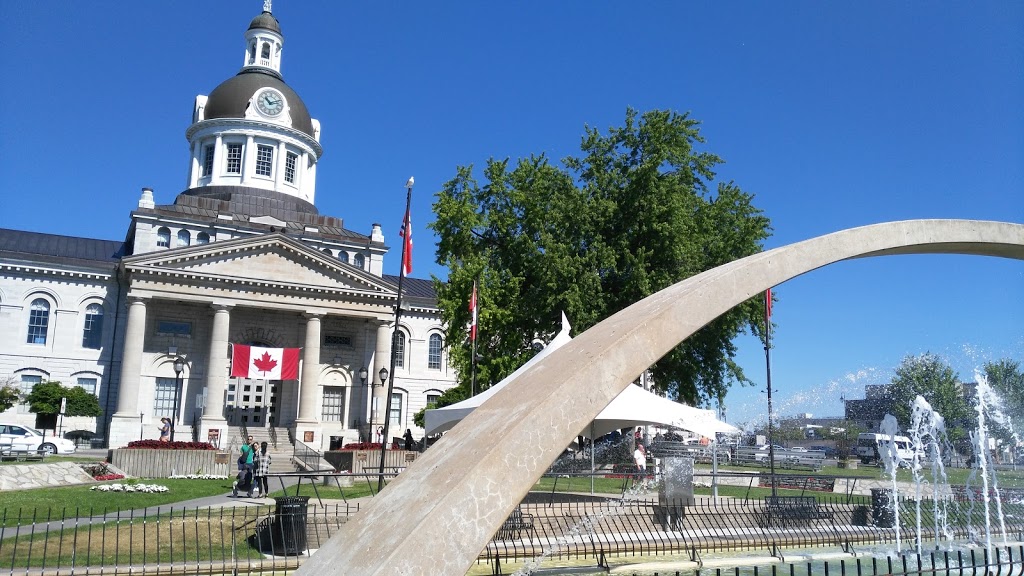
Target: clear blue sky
(833,114)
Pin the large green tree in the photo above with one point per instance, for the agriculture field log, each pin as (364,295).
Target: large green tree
(1007,380)
(634,213)
(934,380)
(46,396)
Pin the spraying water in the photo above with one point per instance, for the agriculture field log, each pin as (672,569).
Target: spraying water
(891,459)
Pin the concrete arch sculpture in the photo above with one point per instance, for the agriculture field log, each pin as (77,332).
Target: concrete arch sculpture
(437,516)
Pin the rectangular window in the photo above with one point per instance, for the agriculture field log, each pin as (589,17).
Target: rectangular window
(88,384)
(432,399)
(170,328)
(207,160)
(264,160)
(396,409)
(27,382)
(334,403)
(434,352)
(399,350)
(234,159)
(38,321)
(92,331)
(163,398)
(289,167)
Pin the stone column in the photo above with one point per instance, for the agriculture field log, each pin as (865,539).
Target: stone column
(307,426)
(126,424)
(381,359)
(216,371)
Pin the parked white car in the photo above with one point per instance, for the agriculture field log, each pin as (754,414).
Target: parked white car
(16,437)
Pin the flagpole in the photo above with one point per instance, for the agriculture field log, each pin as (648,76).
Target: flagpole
(406,232)
(472,378)
(768,366)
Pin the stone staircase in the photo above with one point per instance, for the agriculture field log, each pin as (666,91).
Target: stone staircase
(279,445)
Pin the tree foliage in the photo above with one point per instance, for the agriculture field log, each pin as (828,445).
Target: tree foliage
(1007,380)
(931,378)
(10,394)
(633,214)
(46,396)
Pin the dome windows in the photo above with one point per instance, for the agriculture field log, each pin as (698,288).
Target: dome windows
(163,237)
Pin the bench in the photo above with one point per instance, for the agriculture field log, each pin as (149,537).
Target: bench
(793,510)
(21,455)
(513,526)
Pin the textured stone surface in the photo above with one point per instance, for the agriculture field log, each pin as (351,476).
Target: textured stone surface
(437,516)
(23,476)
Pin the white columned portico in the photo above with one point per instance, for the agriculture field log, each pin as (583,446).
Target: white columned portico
(307,425)
(127,423)
(216,376)
(381,359)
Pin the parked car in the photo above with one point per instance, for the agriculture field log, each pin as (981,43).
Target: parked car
(16,437)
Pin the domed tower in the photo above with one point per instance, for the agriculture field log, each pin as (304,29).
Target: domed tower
(253,136)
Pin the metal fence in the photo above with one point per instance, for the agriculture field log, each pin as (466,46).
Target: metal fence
(552,528)
(259,539)
(1002,560)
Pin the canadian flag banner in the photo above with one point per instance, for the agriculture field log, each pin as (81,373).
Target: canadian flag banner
(264,363)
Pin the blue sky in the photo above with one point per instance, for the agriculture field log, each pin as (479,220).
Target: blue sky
(832,114)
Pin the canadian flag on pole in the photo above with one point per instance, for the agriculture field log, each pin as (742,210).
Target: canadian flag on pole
(264,363)
(472,309)
(406,234)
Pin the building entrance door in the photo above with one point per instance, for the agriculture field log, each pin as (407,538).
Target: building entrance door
(252,403)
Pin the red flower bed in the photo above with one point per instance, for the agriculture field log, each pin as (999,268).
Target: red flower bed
(366,446)
(158,445)
(109,477)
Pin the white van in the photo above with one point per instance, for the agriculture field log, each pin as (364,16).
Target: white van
(869,447)
(22,438)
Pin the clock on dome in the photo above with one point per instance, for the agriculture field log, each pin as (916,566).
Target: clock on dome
(270,102)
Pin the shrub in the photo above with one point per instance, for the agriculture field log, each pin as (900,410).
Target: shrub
(177,445)
(366,446)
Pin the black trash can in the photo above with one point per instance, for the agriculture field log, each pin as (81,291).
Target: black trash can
(882,513)
(288,532)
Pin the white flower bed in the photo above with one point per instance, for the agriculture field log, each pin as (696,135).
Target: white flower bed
(149,488)
(198,477)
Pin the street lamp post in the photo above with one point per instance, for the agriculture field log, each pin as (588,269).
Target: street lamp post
(179,367)
(394,335)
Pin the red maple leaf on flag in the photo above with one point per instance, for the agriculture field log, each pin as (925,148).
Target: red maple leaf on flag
(265,363)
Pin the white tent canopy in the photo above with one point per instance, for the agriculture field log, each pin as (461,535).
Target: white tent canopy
(633,407)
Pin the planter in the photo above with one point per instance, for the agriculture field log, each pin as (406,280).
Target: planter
(146,463)
(367,461)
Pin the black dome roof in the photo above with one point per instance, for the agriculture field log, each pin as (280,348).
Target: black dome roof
(231,98)
(266,21)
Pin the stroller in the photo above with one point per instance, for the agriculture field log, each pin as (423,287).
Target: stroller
(244,481)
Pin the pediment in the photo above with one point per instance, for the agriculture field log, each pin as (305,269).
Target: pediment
(272,260)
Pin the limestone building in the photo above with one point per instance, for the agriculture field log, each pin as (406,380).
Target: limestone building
(241,256)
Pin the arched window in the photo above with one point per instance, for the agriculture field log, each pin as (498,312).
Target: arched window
(359,261)
(400,349)
(266,51)
(202,238)
(434,352)
(184,238)
(327,251)
(163,238)
(343,256)
(38,321)
(252,53)
(92,330)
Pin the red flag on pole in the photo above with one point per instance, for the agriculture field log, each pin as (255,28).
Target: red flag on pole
(406,234)
(472,309)
(264,363)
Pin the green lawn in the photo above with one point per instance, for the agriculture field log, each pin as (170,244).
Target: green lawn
(42,504)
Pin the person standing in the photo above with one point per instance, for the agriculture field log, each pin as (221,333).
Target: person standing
(410,444)
(640,459)
(262,470)
(165,430)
